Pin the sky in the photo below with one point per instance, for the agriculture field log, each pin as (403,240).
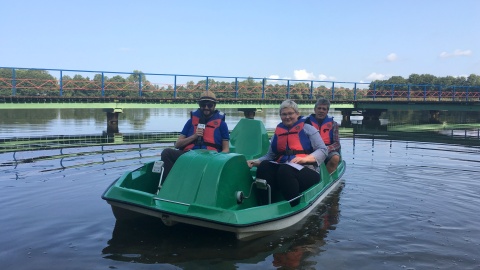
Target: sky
(343,41)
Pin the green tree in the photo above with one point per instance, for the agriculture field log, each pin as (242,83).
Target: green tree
(428,79)
(448,80)
(416,81)
(115,86)
(36,82)
(98,78)
(249,88)
(473,80)
(396,80)
(135,77)
(6,81)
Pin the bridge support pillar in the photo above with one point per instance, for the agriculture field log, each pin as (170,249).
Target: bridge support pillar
(434,117)
(346,122)
(371,118)
(248,112)
(112,123)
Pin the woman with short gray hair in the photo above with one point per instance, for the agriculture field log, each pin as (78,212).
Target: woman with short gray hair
(288,104)
(291,164)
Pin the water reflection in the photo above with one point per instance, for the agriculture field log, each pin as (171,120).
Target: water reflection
(311,238)
(149,241)
(50,122)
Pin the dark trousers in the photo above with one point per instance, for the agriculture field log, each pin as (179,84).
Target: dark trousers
(169,156)
(290,181)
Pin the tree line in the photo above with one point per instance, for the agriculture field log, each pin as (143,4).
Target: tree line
(419,81)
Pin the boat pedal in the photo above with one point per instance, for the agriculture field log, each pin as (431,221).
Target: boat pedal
(261,183)
(240,197)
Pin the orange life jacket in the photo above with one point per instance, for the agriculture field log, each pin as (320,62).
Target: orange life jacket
(288,143)
(211,139)
(325,128)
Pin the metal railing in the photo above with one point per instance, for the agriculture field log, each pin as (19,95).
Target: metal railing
(38,82)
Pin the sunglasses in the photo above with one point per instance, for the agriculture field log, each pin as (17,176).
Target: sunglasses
(206,104)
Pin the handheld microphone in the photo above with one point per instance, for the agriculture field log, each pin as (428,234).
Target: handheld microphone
(201,125)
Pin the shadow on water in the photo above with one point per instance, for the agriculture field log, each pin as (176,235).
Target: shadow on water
(149,241)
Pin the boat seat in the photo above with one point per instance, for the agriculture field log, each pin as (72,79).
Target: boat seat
(249,138)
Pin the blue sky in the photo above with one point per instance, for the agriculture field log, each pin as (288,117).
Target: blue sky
(349,41)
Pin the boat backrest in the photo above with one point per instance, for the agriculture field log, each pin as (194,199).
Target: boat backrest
(249,138)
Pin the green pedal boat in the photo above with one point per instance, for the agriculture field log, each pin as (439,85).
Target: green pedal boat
(216,190)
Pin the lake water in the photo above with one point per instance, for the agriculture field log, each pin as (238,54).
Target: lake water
(404,205)
(20,123)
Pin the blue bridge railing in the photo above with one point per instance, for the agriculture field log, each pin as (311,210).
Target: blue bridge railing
(38,82)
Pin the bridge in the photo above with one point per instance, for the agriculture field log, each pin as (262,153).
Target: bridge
(34,88)
(60,87)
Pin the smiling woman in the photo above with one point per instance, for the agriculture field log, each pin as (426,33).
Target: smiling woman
(289,112)
(291,163)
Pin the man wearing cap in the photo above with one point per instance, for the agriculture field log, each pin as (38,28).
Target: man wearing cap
(206,129)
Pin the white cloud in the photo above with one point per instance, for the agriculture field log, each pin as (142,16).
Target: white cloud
(274,79)
(392,57)
(363,85)
(323,77)
(376,76)
(302,74)
(456,53)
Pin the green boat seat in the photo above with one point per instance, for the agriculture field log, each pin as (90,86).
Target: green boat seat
(249,138)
